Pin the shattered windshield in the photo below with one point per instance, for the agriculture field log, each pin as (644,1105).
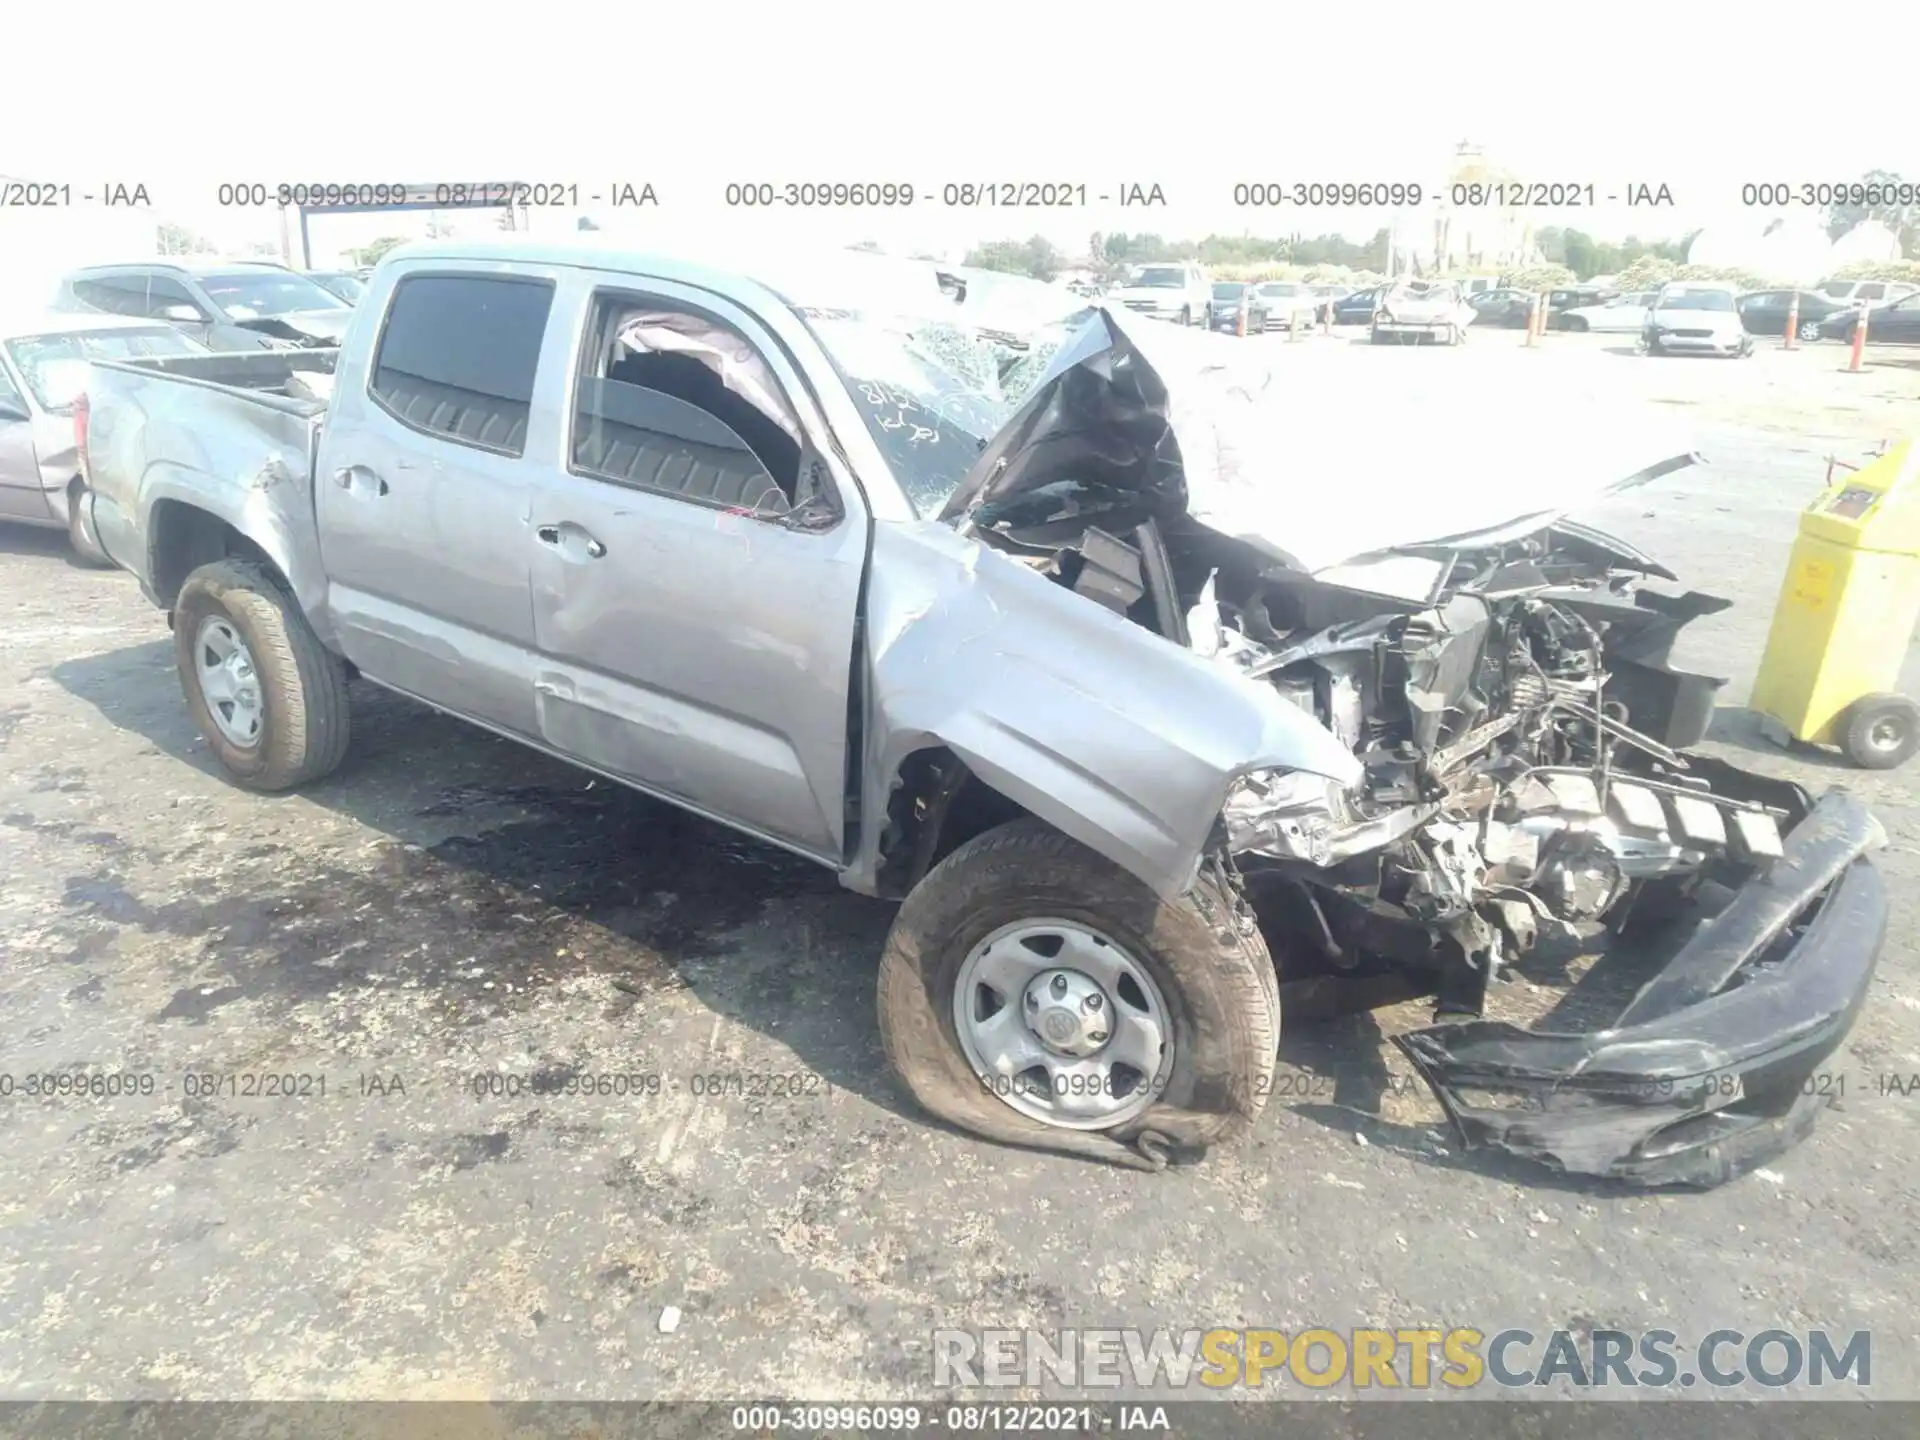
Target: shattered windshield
(933,391)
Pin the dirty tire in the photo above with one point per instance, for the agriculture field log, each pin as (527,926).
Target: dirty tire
(303,687)
(1881,732)
(1222,993)
(85,552)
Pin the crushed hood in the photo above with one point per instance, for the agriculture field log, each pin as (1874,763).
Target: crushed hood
(1308,456)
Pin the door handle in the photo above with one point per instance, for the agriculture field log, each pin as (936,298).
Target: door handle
(555,535)
(358,477)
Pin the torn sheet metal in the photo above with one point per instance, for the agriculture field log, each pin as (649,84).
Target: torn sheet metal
(1710,1070)
(1259,448)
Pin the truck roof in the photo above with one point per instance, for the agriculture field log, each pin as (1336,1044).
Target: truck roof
(821,277)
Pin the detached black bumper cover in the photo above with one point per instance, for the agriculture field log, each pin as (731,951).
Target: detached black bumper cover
(1710,1071)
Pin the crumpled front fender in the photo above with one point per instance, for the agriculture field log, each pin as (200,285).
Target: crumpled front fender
(1114,735)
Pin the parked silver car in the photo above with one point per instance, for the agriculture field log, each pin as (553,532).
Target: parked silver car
(44,360)
(1100,647)
(225,305)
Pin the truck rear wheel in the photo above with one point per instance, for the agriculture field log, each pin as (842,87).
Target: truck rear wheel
(267,695)
(1035,993)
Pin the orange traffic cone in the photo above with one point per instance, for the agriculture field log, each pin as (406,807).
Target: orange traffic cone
(1793,322)
(1859,343)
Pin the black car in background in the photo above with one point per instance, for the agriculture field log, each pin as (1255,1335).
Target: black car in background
(1231,298)
(1895,324)
(1509,308)
(1572,297)
(1358,308)
(1764,312)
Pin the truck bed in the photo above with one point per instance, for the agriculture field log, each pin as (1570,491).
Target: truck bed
(301,378)
(233,436)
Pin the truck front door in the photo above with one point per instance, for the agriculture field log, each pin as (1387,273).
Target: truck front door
(425,475)
(694,640)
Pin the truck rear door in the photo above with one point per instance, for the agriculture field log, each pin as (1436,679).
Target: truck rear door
(426,472)
(690,641)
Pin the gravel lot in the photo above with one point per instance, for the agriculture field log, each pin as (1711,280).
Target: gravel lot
(450,905)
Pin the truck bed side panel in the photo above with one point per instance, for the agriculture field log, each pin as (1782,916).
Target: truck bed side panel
(241,456)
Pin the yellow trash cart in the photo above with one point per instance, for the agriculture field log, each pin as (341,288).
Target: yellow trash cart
(1846,616)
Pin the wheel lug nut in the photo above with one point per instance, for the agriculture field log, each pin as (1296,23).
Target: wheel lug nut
(1059,985)
(1033,1001)
(1093,1002)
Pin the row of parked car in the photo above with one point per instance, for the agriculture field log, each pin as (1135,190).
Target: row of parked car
(1182,293)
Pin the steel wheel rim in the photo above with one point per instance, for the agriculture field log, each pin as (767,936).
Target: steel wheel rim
(1063,1024)
(1886,734)
(230,684)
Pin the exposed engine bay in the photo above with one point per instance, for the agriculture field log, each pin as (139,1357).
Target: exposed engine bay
(1513,708)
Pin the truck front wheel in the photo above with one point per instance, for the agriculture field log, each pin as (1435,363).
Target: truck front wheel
(1035,993)
(268,697)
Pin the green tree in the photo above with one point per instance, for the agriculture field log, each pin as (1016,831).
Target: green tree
(178,240)
(1902,219)
(372,254)
(1036,256)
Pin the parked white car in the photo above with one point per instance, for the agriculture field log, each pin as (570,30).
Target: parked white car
(1625,314)
(1867,292)
(1173,291)
(1422,309)
(1696,318)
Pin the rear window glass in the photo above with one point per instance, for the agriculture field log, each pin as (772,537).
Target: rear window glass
(458,356)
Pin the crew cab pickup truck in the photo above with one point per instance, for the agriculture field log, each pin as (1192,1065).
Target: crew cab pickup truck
(1153,707)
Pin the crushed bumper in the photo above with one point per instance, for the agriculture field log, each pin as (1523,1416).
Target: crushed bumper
(1711,1070)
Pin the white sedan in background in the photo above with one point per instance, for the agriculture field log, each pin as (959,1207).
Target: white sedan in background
(1621,314)
(44,362)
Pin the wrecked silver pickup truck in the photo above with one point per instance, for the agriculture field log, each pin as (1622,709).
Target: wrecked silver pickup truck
(1059,628)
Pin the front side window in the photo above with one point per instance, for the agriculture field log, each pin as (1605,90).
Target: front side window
(164,294)
(458,355)
(682,405)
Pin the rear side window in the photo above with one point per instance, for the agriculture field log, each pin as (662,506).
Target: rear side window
(458,355)
(113,294)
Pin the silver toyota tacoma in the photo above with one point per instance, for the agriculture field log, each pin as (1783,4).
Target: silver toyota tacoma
(1045,621)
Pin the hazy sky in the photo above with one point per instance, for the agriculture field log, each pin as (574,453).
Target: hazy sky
(992,91)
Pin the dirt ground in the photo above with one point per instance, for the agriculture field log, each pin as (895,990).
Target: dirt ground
(451,915)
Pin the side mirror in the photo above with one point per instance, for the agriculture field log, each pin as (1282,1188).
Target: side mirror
(184,314)
(12,409)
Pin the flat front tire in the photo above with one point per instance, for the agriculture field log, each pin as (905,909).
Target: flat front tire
(269,698)
(1035,993)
